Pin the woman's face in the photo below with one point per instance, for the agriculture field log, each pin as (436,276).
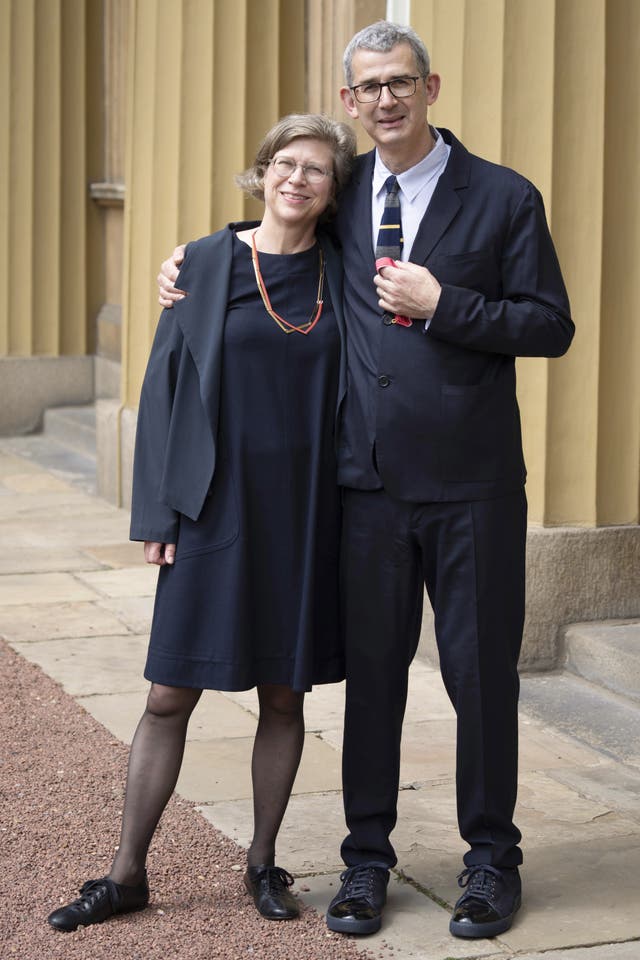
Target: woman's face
(296,191)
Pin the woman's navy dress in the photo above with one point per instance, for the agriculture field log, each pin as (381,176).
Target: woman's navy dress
(253,595)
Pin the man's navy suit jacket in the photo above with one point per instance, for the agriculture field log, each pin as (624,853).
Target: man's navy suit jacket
(443,402)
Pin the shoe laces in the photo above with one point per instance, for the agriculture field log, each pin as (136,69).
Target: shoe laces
(91,891)
(358,881)
(480,880)
(276,879)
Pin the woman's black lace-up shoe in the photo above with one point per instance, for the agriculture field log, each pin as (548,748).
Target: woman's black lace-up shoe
(357,906)
(268,887)
(99,900)
(489,903)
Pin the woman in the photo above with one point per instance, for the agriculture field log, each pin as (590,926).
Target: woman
(235,499)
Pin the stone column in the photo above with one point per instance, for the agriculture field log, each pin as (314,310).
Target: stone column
(206,80)
(553,90)
(44,168)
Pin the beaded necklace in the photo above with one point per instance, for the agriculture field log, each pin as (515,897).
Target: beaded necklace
(284,325)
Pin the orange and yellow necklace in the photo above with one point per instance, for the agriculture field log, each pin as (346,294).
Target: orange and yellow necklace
(284,325)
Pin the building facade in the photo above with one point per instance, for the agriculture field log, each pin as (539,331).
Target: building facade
(122,123)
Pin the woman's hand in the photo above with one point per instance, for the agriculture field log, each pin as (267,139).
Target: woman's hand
(159,553)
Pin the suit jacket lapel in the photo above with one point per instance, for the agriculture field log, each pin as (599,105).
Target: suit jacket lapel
(355,210)
(446,201)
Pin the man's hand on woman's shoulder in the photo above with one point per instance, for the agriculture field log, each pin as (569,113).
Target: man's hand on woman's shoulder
(168,293)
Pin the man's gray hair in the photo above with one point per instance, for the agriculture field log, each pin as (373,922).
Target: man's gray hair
(381,37)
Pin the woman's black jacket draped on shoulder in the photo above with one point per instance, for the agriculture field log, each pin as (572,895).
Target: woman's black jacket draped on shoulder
(175,451)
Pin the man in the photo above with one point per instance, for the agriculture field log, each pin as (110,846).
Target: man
(432,467)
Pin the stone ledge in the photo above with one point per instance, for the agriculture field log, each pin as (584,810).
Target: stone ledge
(574,574)
(606,653)
(31,384)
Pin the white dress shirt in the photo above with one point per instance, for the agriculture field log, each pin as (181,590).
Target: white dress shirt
(417,186)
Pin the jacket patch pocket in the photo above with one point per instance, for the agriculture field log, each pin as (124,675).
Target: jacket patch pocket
(480,426)
(217,525)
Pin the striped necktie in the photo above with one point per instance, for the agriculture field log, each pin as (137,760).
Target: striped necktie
(390,233)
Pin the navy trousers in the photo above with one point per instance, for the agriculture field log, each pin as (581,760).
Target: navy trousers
(471,557)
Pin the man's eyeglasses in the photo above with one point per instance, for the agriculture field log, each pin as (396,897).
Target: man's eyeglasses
(285,166)
(398,88)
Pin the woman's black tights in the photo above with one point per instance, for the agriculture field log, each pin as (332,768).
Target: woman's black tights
(276,756)
(156,757)
(154,765)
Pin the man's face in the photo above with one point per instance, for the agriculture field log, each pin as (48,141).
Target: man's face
(395,123)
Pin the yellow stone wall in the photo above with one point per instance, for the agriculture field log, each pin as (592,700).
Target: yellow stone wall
(550,87)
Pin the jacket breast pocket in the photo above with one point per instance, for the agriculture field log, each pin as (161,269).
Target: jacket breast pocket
(475,270)
(218,525)
(481,430)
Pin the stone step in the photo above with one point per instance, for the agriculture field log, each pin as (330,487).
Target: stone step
(606,653)
(590,713)
(72,427)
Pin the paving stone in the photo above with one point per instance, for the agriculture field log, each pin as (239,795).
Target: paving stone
(427,822)
(216,770)
(39,560)
(309,838)
(574,894)
(26,507)
(324,706)
(585,712)
(86,665)
(414,927)
(578,894)
(543,748)
(36,482)
(221,769)
(137,581)
(65,528)
(53,621)
(612,784)
(11,464)
(602,951)
(213,716)
(549,811)
(37,588)
(127,554)
(118,712)
(134,612)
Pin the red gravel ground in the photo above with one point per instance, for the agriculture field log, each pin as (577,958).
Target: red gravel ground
(61,788)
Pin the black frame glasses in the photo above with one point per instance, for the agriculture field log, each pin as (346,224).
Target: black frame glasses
(375,89)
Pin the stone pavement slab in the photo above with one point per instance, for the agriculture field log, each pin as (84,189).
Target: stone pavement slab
(85,665)
(414,928)
(138,581)
(37,588)
(574,894)
(38,560)
(310,836)
(127,554)
(221,769)
(616,786)
(214,715)
(134,612)
(30,622)
(579,894)
(603,951)
(78,601)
